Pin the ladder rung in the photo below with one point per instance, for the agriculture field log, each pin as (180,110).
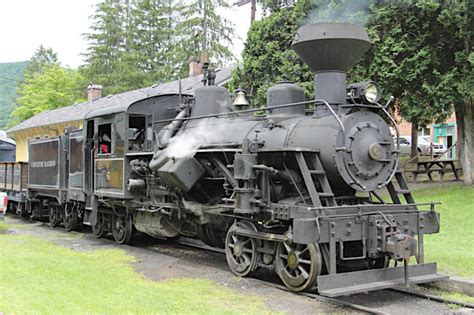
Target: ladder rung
(403,191)
(317,172)
(322,194)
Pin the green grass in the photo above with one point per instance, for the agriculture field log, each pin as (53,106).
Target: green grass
(453,247)
(37,276)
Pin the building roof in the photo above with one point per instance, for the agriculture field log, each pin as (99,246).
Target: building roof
(4,138)
(78,111)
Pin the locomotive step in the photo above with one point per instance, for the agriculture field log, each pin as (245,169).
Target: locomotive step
(377,279)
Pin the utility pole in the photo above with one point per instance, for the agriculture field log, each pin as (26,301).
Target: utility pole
(253,7)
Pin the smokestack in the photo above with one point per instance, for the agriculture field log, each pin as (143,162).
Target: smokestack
(94,91)
(330,50)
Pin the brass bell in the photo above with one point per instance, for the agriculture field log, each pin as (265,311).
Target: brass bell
(240,100)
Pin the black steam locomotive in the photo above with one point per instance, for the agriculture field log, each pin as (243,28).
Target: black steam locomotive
(296,188)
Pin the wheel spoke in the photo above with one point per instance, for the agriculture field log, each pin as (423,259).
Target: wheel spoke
(246,259)
(303,272)
(305,261)
(231,245)
(304,250)
(234,239)
(247,250)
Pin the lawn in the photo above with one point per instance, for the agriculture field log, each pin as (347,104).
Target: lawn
(453,247)
(37,276)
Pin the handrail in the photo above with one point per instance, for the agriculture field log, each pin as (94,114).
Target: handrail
(397,160)
(253,110)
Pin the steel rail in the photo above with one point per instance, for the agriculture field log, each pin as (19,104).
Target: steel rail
(434,297)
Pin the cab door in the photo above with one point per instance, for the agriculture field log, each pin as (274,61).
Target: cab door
(89,158)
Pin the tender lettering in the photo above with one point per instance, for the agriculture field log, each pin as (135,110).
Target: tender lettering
(51,163)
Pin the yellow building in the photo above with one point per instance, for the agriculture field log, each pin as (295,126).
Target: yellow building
(54,122)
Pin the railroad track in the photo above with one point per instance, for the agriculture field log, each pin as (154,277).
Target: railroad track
(337,301)
(434,298)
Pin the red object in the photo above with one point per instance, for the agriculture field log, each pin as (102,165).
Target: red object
(104,148)
(5,203)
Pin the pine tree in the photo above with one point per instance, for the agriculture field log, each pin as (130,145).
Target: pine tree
(42,58)
(106,58)
(135,43)
(154,44)
(203,29)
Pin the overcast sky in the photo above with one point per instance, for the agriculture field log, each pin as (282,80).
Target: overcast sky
(59,24)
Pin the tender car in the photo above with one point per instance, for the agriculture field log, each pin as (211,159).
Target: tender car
(424,146)
(3,204)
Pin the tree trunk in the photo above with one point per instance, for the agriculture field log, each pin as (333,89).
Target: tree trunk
(414,138)
(458,109)
(465,127)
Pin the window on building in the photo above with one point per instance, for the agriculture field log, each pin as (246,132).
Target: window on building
(105,138)
(424,131)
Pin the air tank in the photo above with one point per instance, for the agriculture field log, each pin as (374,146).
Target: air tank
(285,92)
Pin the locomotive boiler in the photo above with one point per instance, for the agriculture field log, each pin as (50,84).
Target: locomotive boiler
(296,186)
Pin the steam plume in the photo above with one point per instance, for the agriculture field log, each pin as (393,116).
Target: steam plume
(345,11)
(187,143)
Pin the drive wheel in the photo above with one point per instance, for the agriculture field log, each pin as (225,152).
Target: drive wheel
(241,251)
(98,229)
(54,218)
(298,265)
(122,228)
(70,217)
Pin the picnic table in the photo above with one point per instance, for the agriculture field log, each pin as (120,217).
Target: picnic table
(440,166)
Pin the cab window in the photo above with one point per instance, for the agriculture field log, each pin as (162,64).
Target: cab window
(136,133)
(105,138)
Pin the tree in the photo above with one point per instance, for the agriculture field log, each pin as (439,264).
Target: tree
(458,78)
(421,54)
(203,29)
(43,57)
(267,57)
(155,43)
(53,88)
(400,60)
(141,42)
(107,61)
(11,74)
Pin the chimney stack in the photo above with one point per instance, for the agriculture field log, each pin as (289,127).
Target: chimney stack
(195,68)
(330,50)
(94,91)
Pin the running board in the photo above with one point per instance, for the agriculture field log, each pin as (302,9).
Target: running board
(376,279)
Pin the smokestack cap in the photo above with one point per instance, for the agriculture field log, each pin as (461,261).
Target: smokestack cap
(331,46)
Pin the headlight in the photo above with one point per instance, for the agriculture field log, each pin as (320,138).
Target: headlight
(372,92)
(365,92)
